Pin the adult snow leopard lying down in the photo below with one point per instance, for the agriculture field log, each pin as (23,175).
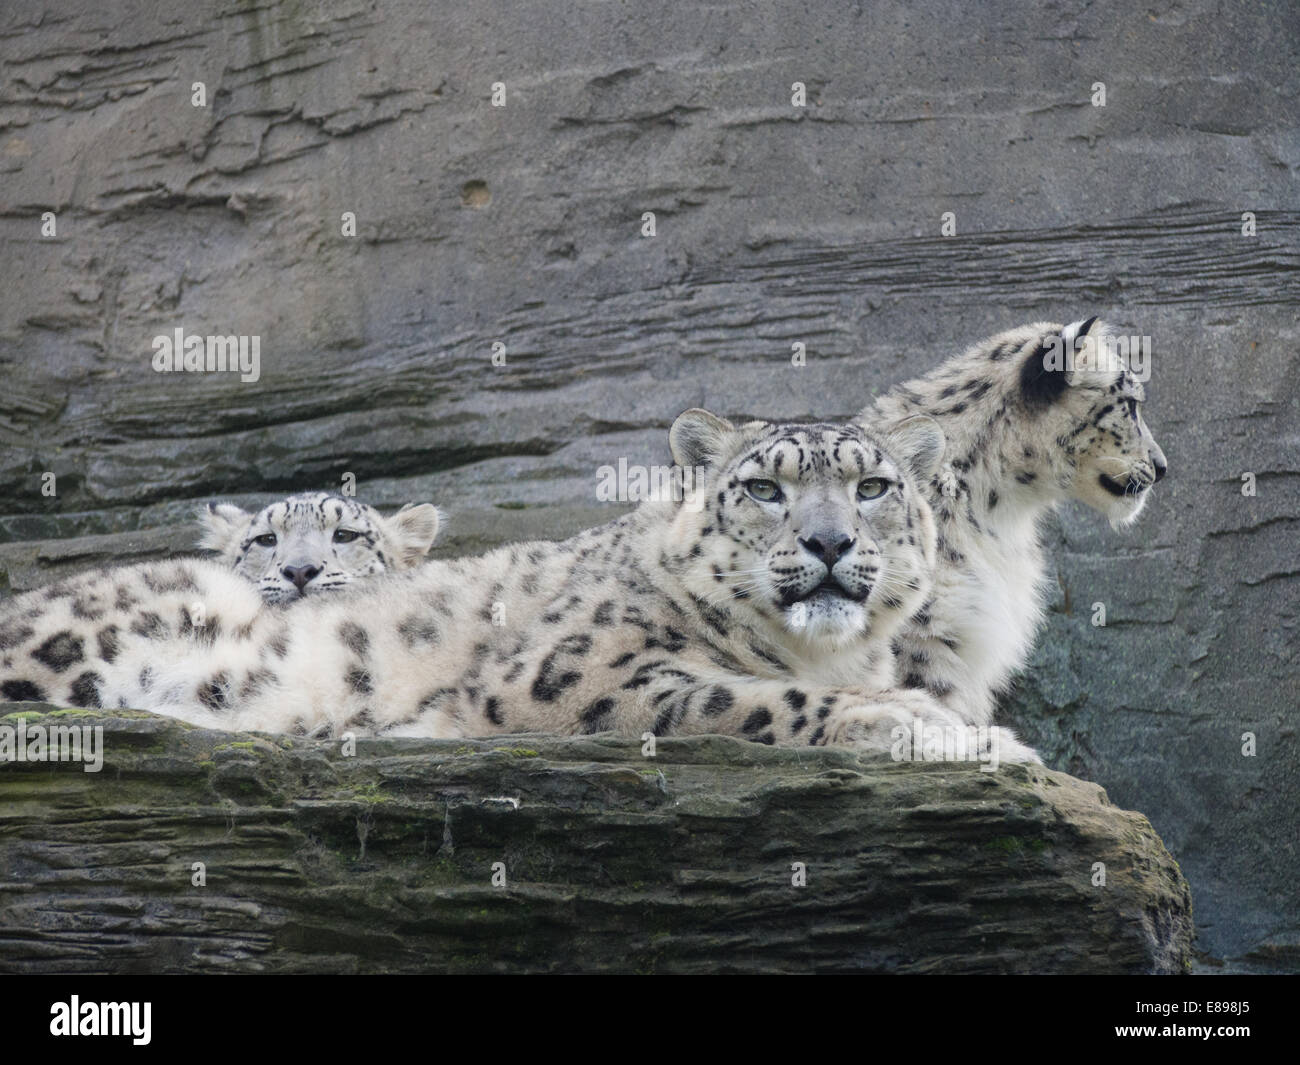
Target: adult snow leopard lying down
(1021,439)
(316,542)
(764,612)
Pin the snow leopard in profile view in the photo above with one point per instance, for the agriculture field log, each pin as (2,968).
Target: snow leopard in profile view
(1031,417)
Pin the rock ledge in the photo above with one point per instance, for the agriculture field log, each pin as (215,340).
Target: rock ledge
(613,862)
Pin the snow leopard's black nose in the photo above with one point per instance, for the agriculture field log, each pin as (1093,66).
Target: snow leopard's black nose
(830,547)
(300,575)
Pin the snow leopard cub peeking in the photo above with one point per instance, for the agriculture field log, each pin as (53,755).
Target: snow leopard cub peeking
(316,542)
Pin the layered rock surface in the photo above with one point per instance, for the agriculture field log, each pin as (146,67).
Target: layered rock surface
(543,854)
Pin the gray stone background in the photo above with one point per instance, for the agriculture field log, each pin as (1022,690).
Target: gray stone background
(775,225)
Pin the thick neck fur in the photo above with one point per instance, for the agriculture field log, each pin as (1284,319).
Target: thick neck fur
(1001,473)
(1000,468)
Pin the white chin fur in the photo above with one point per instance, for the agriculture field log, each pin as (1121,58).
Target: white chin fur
(1124,512)
(826,621)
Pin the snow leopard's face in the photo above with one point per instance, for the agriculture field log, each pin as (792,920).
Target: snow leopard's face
(1121,461)
(1108,457)
(816,531)
(316,542)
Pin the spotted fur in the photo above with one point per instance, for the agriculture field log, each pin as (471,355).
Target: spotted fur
(761,605)
(70,641)
(1023,435)
(316,542)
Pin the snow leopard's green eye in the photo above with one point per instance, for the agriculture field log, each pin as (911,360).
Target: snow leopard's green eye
(265,540)
(764,491)
(344,536)
(873,488)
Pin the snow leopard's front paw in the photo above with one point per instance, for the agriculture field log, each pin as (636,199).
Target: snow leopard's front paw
(883,720)
(1004,747)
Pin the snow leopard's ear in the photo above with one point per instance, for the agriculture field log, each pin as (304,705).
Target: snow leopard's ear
(413,529)
(1050,368)
(223,526)
(918,443)
(699,438)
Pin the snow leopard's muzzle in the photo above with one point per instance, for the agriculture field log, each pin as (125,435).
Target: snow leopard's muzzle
(829,565)
(1140,476)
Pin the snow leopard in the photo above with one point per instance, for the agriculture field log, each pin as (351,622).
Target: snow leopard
(316,542)
(1032,417)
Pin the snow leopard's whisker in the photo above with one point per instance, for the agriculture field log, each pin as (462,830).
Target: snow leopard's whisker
(730,594)
(890,582)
